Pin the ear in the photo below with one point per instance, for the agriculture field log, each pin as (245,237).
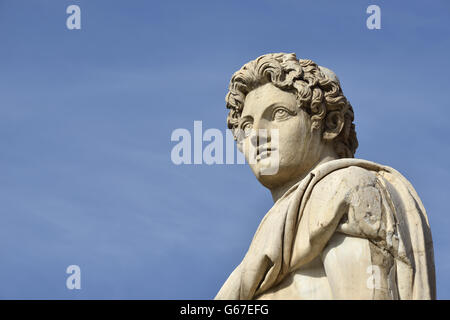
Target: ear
(334,122)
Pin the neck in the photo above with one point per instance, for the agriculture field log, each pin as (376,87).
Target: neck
(279,191)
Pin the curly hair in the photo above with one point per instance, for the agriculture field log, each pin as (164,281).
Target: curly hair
(317,91)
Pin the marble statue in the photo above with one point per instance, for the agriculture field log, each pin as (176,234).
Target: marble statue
(340,227)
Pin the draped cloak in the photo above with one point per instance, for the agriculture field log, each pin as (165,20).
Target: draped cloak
(289,237)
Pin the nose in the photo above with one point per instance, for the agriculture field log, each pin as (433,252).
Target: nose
(259,135)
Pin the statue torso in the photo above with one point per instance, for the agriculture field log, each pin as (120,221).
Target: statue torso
(308,283)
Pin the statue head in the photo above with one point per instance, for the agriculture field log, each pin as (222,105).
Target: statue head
(300,101)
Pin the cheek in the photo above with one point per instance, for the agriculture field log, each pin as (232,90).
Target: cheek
(245,148)
(295,145)
(293,137)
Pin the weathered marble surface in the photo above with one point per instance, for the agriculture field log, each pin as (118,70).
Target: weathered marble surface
(340,228)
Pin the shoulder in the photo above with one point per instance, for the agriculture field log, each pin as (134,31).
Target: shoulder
(356,193)
(345,182)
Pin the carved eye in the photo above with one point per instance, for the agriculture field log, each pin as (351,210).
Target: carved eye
(247,128)
(280,114)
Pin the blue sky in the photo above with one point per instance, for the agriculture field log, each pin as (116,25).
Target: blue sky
(86,118)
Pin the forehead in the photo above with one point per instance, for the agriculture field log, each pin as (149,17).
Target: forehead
(265,96)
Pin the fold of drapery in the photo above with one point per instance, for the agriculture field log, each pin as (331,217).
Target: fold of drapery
(286,239)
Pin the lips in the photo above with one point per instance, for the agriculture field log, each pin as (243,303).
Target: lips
(263,152)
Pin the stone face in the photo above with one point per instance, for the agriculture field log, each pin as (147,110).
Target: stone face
(340,227)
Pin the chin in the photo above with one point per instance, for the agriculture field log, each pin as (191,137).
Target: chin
(286,173)
(272,178)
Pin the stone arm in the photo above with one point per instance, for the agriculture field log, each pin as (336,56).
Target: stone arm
(355,259)
(357,269)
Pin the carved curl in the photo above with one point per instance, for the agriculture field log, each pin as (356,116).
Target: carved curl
(316,93)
